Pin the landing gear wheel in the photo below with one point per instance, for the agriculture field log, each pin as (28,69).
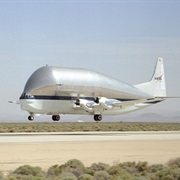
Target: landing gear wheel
(97,117)
(55,117)
(30,118)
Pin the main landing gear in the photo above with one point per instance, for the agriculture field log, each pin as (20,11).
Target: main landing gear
(55,117)
(97,117)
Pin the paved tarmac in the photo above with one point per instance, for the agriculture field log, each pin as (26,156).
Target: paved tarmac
(47,149)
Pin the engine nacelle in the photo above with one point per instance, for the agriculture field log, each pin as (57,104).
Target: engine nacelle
(102,102)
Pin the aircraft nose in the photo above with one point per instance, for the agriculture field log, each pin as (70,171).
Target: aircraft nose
(42,77)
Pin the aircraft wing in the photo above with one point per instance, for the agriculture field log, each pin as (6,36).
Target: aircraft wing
(109,104)
(137,102)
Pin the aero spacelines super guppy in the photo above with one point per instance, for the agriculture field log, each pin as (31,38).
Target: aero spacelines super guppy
(56,90)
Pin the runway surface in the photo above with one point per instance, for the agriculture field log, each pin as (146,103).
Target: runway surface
(47,149)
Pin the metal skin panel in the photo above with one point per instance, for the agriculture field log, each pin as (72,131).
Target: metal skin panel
(78,82)
(53,90)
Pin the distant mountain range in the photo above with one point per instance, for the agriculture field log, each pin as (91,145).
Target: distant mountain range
(151,117)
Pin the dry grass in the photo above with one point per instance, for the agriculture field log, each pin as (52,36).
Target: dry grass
(87,126)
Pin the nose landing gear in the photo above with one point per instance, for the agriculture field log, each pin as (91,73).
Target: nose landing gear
(31,118)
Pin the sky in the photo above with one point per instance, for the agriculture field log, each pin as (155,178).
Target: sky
(117,38)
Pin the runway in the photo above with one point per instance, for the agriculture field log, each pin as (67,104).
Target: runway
(47,149)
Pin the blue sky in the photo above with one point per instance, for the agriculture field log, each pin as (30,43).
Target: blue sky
(118,38)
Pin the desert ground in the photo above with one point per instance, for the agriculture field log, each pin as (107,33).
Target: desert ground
(47,152)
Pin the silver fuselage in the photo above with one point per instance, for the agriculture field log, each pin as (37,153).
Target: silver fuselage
(53,90)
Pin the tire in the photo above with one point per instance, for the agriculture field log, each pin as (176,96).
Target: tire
(97,117)
(30,118)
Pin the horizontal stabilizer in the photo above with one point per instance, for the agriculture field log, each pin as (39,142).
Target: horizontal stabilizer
(14,102)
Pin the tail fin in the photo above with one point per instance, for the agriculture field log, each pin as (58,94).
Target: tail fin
(157,85)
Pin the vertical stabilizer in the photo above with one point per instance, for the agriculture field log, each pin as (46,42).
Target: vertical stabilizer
(156,86)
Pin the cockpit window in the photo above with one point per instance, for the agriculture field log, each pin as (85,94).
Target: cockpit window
(26,96)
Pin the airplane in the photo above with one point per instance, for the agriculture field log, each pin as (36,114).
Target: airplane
(58,90)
